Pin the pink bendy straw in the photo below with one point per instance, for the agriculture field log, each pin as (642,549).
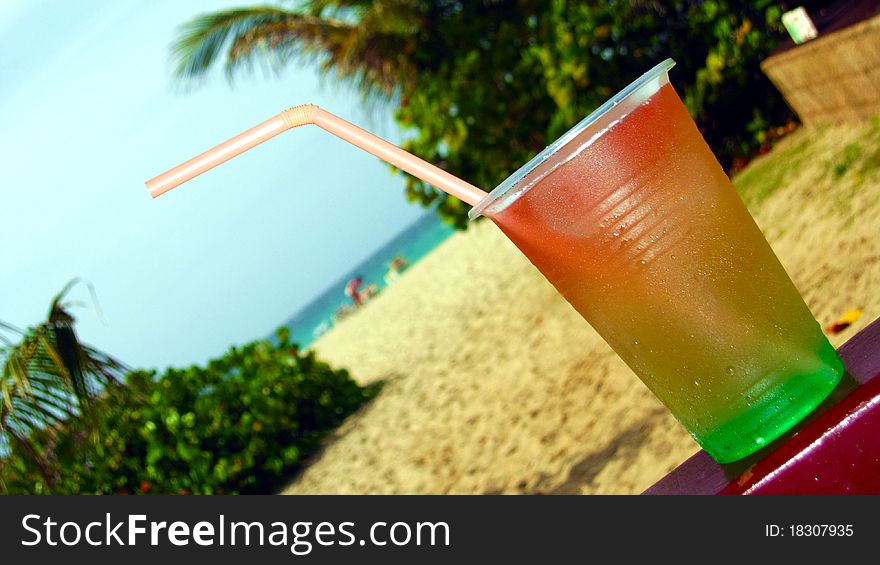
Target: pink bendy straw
(311,114)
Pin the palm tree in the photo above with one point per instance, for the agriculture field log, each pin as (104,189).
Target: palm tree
(365,42)
(49,376)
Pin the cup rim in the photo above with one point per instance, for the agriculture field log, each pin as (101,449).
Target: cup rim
(502,189)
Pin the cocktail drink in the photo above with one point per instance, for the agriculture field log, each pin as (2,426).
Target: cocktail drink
(630,216)
(632,219)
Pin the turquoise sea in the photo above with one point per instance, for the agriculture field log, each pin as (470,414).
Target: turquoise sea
(413,243)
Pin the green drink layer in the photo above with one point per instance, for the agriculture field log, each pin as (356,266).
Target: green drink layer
(767,418)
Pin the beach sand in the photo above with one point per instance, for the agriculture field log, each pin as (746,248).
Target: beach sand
(494,384)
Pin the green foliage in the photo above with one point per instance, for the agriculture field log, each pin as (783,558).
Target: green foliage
(240,425)
(482,86)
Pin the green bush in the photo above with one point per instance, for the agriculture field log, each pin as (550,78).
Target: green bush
(242,424)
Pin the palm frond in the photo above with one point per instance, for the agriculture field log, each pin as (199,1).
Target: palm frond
(202,40)
(361,46)
(46,378)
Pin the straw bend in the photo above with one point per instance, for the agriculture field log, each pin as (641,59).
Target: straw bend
(311,114)
(299,115)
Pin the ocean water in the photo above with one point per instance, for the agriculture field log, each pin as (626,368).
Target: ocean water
(412,244)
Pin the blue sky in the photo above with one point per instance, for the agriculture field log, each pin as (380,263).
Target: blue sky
(88,112)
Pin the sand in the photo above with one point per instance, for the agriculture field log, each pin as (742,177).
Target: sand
(494,384)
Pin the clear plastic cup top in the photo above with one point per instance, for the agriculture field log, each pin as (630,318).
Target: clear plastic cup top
(601,119)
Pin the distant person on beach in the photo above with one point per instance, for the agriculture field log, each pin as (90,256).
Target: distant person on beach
(395,267)
(352,290)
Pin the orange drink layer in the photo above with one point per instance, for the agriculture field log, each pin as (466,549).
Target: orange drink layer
(632,219)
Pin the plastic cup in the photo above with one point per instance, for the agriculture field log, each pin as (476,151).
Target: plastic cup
(633,220)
